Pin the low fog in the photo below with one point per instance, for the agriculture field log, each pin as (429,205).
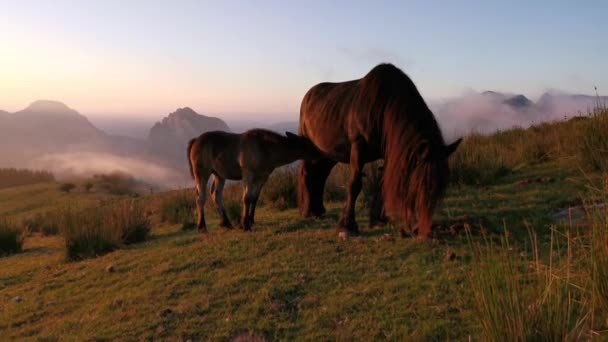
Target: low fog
(489,112)
(85,164)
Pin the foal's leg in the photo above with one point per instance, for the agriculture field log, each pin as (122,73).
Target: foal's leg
(347,224)
(201,192)
(245,220)
(251,193)
(216,195)
(255,195)
(311,184)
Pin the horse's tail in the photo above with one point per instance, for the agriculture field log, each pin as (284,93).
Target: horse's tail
(190,144)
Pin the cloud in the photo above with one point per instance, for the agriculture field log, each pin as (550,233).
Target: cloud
(490,112)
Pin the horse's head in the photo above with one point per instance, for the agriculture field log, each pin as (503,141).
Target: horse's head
(415,194)
(431,180)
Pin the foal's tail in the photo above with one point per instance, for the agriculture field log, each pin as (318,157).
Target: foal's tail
(190,144)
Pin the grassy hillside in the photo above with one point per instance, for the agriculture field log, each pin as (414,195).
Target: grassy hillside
(292,278)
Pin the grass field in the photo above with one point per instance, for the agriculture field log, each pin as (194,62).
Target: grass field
(289,279)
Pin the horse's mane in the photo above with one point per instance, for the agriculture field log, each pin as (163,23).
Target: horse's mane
(415,170)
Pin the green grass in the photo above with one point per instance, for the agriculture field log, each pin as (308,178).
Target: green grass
(288,279)
(527,270)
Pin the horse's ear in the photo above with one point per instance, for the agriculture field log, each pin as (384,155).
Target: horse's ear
(449,149)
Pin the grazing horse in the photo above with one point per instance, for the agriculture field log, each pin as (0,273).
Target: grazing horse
(380,116)
(250,156)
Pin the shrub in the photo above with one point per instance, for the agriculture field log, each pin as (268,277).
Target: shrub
(87,235)
(594,144)
(116,183)
(130,219)
(66,187)
(45,223)
(88,186)
(281,190)
(179,207)
(11,238)
(94,232)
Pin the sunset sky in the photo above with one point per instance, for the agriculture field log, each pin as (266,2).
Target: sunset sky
(146,58)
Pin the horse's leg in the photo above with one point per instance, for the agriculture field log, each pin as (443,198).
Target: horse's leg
(247,186)
(253,187)
(311,183)
(347,224)
(216,195)
(201,192)
(376,209)
(255,194)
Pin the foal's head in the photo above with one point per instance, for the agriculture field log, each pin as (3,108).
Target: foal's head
(303,147)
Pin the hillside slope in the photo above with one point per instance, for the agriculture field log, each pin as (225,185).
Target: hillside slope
(290,279)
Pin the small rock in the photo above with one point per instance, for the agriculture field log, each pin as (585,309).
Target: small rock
(110,268)
(165,312)
(450,255)
(17,299)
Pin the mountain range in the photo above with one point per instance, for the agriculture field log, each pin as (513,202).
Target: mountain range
(50,135)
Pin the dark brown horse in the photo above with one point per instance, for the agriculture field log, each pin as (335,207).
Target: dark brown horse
(381,115)
(250,156)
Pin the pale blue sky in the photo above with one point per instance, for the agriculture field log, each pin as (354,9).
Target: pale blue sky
(228,57)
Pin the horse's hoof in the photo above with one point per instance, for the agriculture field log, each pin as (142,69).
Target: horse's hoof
(343,235)
(245,228)
(202,230)
(404,234)
(425,238)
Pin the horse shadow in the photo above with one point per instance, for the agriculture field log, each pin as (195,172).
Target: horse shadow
(327,221)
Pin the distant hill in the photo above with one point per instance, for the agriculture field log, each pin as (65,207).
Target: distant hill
(170,136)
(517,102)
(50,135)
(43,127)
